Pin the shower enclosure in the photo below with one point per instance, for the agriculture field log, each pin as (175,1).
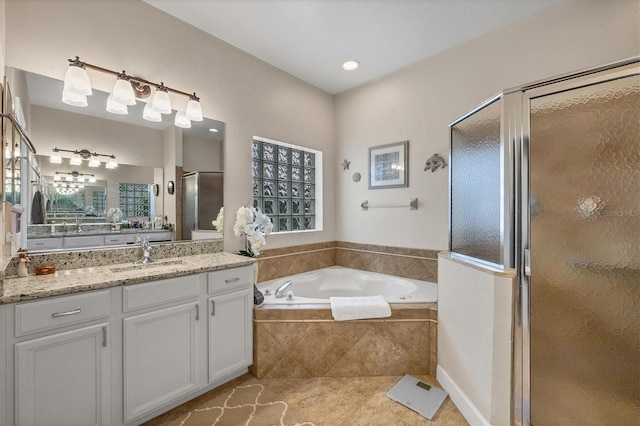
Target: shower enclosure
(545,178)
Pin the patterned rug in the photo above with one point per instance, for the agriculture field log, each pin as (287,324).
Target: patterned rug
(247,404)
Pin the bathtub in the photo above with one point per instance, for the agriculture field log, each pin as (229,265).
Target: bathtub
(336,281)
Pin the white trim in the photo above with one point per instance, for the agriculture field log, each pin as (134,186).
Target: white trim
(464,404)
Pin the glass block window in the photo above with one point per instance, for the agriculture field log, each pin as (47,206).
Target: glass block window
(134,199)
(286,179)
(99,201)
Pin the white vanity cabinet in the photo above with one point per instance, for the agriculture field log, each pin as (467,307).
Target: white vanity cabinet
(230,321)
(123,355)
(62,360)
(162,343)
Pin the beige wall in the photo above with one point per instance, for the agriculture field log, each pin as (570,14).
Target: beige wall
(251,97)
(418,103)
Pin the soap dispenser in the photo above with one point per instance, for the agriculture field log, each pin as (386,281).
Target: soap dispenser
(22,265)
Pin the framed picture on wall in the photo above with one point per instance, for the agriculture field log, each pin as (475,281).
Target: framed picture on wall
(389,166)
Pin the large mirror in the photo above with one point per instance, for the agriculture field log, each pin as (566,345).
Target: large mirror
(64,200)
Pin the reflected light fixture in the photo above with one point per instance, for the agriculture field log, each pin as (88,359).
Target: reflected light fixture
(116,107)
(182,120)
(83,154)
(151,114)
(126,89)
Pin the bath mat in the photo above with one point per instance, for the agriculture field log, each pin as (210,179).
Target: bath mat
(248,404)
(418,396)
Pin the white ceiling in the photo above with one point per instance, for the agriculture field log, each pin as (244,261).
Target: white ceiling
(310,39)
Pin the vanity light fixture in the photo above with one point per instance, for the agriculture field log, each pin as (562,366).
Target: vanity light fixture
(69,176)
(182,120)
(126,89)
(83,154)
(350,65)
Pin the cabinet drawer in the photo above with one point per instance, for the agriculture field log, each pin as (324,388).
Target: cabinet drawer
(49,314)
(229,279)
(83,241)
(160,292)
(110,240)
(34,244)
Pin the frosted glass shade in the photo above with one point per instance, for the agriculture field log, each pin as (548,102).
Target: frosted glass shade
(76,80)
(194,110)
(115,107)
(123,92)
(57,177)
(111,164)
(182,120)
(151,114)
(55,158)
(161,102)
(92,179)
(75,160)
(94,161)
(73,99)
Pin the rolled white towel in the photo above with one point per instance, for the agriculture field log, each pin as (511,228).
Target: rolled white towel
(351,308)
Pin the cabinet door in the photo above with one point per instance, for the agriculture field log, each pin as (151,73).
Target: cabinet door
(64,379)
(161,358)
(230,333)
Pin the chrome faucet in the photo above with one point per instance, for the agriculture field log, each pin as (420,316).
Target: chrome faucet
(146,251)
(282,288)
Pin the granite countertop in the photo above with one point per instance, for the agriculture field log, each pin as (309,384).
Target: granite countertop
(92,278)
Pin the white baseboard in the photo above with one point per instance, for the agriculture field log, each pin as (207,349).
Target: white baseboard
(464,404)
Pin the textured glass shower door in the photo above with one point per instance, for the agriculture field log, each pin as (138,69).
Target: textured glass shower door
(584,231)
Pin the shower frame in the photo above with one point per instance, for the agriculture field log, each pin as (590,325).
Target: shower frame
(515,133)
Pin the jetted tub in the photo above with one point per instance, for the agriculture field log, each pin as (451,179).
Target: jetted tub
(336,281)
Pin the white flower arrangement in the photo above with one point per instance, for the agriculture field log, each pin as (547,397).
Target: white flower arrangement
(219,222)
(115,213)
(253,226)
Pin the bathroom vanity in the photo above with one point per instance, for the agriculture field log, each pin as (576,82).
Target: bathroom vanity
(120,344)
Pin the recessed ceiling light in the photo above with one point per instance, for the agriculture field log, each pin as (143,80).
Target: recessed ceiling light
(350,65)
(213,130)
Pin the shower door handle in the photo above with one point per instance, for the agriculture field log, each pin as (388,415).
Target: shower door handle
(527,262)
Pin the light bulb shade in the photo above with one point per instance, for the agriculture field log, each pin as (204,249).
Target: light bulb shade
(76,80)
(57,177)
(182,120)
(111,163)
(7,151)
(73,99)
(94,161)
(80,186)
(161,102)
(115,107)
(80,178)
(92,179)
(75,160)
(151,114)
(55,158)
(123,92)
(194,110)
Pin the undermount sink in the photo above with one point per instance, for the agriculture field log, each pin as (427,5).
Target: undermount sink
(145,266)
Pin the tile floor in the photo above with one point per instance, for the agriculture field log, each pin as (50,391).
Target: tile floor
(319,401)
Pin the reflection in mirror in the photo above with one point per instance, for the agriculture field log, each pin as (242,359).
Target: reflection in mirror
(121,200)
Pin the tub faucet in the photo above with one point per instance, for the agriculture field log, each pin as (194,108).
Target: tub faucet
(282,288)
(78,224)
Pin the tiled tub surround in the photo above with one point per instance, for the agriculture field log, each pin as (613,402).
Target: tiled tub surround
(417,264)
(304,341)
